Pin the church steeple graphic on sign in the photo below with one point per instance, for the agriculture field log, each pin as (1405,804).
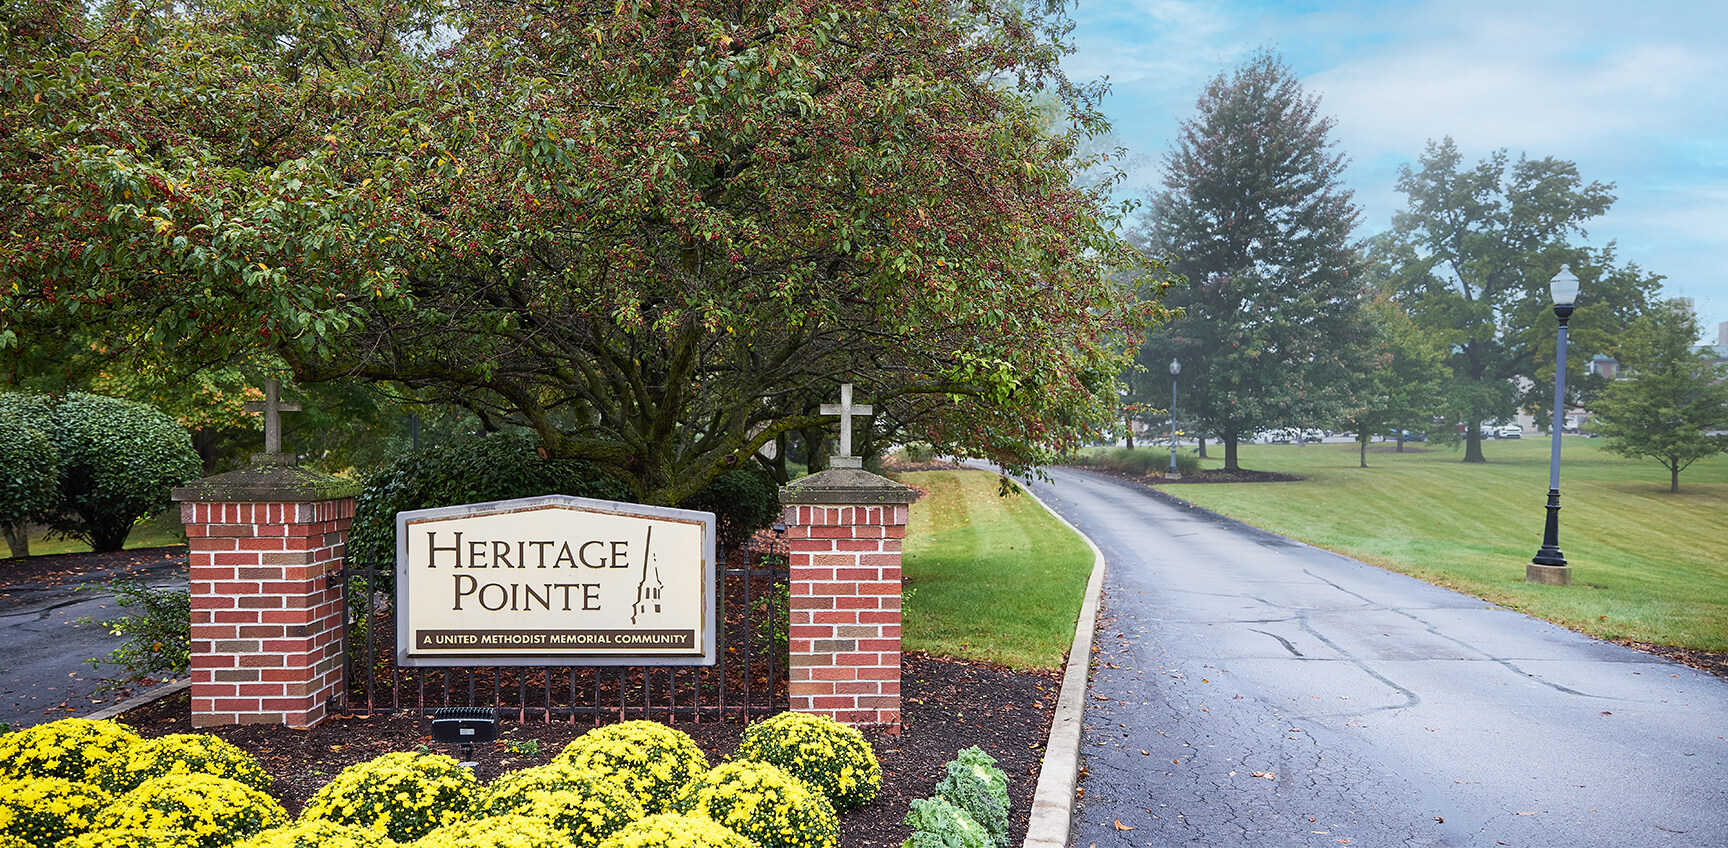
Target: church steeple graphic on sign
(650,588)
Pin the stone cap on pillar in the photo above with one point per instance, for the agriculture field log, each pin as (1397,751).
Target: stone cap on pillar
(846,486)
(267,484)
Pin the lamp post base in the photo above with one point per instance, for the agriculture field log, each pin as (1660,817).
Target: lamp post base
(1172,475)
(1548,575)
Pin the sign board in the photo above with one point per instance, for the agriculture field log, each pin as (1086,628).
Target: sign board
(555,580)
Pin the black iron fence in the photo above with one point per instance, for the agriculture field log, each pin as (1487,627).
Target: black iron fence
(748,679)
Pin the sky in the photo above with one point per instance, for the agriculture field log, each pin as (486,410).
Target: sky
(1636,94)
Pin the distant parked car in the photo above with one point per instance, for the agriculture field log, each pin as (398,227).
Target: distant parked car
(1509,431)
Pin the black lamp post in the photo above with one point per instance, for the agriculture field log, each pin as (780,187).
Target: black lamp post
(1549,565)
(1173,474)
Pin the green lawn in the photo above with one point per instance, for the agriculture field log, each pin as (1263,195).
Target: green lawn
(1647,565)
(990,578)
(161,531)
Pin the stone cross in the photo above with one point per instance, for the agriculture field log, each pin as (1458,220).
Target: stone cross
(272,407)
(846,411)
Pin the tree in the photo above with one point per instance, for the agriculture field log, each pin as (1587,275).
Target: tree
(658,235)
(1673,394)
(118,462)
(1253,212)
(29,472)
(1471,258)
(1403,392)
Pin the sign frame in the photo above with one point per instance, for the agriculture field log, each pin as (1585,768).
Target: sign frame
(707,649)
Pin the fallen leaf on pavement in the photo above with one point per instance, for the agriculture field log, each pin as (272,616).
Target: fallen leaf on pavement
(1121,826)
(1269,775)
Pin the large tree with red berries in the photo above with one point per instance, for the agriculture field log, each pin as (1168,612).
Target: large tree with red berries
(656,233)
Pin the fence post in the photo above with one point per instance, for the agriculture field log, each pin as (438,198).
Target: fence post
(266,615)
(844,529)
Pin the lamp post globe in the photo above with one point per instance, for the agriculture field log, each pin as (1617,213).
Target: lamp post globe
(1549,565)
(1173,474)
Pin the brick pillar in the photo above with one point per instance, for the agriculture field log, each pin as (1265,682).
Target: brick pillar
(266,619)
(844,529)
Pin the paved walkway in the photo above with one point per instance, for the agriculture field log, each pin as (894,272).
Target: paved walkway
(1251,690)
(43,670)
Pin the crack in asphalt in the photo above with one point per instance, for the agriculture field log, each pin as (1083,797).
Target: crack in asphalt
(1435,631)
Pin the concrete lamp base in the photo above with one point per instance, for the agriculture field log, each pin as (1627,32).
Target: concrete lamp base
(1548,575)
(1172,475)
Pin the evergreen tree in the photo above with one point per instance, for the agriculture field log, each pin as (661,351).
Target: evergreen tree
(1674,394)
(1254,215)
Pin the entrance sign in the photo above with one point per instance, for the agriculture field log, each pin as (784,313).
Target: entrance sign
(555,580)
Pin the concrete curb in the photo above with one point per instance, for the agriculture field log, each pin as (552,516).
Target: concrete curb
(137,701)
(1053,801)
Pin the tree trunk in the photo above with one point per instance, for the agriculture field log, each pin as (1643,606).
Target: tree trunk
(815,449)
(1128,424)
(1230,461)
(1200,439)
(17,538)
(1362,442)
(1400,440)
(1473,443)
(1673,479)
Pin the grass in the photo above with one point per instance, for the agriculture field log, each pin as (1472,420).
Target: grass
(990,578)
(1647,566)
(160,531)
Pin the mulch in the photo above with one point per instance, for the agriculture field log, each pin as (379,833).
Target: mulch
(947,705)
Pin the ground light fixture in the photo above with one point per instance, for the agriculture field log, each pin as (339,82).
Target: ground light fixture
(1549,565)
(1173,474)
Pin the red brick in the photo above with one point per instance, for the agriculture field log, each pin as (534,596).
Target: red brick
(836,617)
(866,602)
(236,559)
(260,690)
(811,688)
(834,702)
(833,672)
(261,661)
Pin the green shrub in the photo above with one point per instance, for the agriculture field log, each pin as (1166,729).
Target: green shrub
(119,462)
(936,823)
(587,806)
(497,832)
(218,810)
(743,501)
(405,795)
(974,784)
(29,470)
(1140,462)
(495,468)
(649,759)
(316,833)
(676,830)
(44,810)
(763,803)
(132,837)
(158,631)
(77,749)
(193,753)
(917,453)
(828,756)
